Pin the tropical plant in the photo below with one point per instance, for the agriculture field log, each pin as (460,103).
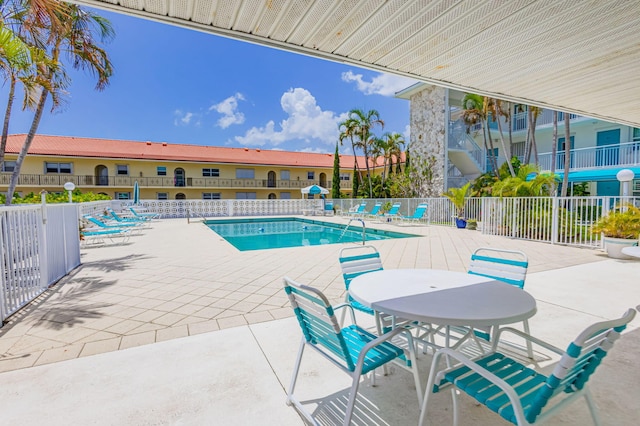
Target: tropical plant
(476,110)
(361,124)
(458,197)
(58,198)
(335,181)
(623,222)
(497,110)
(542,184)
(74,38)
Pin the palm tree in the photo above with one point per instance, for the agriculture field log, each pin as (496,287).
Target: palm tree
(475,111)
(363,122)
(395,143)
(533,113)
(380,148)
(517,186)
(554,142)
(497,111)
(74,38)
(348,131)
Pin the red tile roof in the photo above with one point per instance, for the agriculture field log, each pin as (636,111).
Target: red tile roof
(70,146)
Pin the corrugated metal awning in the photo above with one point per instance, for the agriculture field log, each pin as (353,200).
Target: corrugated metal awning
(570,55)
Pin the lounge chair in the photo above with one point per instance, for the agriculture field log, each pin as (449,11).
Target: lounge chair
(328,208)
(98,236)
(355,211)
(352,349)
(121,219)
(375,211)
(518,393)
(392,213)
(143,215)
(111,225)
(417,214)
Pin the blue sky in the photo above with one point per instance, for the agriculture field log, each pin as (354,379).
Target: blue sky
(181,86)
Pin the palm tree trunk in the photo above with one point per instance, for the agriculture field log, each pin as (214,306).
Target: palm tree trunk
(567,155)
(7,116)
(25,147)
(507,154)
(492,157)
(534,145)
(527,143)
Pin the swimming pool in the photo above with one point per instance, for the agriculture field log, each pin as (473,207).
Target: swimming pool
(261,234)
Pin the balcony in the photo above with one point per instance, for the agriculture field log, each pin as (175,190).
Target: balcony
(626,154)
(58,180)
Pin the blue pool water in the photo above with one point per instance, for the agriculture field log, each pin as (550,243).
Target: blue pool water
(260,234)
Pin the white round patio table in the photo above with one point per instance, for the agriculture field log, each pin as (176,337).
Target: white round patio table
(631,251)
(443,297)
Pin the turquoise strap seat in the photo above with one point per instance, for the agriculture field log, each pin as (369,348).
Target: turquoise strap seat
(517,392)
(353,349)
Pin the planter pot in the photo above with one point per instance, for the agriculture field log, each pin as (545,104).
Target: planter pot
(614,246)
(461,223)
(472,226)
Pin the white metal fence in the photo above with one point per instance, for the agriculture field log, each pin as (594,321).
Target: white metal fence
(38,246)
(215,208)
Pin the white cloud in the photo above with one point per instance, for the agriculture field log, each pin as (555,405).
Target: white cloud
(185,118)
(305,121)
(382,84)
(407,133)
(314,150)
(229,110)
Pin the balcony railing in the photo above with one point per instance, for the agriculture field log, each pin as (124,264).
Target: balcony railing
(519,120)
(626,154)
(58,180)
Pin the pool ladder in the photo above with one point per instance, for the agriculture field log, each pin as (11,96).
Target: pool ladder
(191,213)
(344,231)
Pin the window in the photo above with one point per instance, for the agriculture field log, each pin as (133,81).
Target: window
(123,195)
(636,135)
(285,195)
(211,196)
(245,174)
(518,149)
(285,175)
(162,171)
(245,196)
(162,196)
(211,172)
(345,176)
(311,175)
(57,167)
(8,166)
(122,170)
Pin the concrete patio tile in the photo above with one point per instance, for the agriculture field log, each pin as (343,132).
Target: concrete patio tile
(75,334)
(281,313)
(137,339)
(124,326)
(148,326)
(208,312)
(169,319)
(59,354)
(128,312)
(102,323)
(99,335)
(16,362)
(172,333)
(101,346)
(169,306)
(204,300)
(29,344)
(203,327)
(257,317)
(149,315)
(233,321)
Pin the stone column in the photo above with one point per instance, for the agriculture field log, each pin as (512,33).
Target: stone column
(427,141)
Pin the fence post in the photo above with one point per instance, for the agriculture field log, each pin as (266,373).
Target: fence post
(42,249)
(555,217)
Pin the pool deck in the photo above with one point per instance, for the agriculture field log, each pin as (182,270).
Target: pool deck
(177,326)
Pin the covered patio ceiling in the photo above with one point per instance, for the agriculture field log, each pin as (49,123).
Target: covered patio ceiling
(571,55)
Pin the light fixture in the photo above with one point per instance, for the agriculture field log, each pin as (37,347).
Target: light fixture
(625,176)
(70,186)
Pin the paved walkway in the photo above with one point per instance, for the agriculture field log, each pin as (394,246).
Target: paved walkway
(178,280)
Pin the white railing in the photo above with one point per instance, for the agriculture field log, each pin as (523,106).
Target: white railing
(520,120)
(38,246)
(217,208)
(554,220)
(625,154)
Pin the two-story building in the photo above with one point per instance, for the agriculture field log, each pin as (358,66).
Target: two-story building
(169,171)
(599,149)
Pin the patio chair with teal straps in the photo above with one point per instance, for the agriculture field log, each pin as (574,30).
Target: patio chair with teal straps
(120,219)
(143,215)
(355,261)
(520,394)
(352,349)
(417,214)
(392,213)
(509,266)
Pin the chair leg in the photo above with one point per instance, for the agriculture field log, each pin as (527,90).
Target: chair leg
(529,346)
(592,407)
(414,365)
(296,369)
(352,397)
